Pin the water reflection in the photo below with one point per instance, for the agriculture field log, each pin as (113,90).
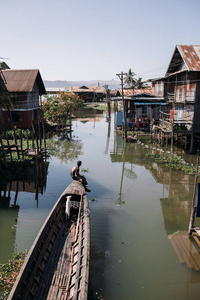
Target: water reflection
(108,137)
(68,152)
(131,253)
(8,225)
(177,186)
(33,179)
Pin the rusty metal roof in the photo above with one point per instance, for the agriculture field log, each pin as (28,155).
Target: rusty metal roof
(185,58)
(191,56)
(130,92)
(23,80)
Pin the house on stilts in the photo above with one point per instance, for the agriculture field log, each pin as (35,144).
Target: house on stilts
(182,94)
(25,87)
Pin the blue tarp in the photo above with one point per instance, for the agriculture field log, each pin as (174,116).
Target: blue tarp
(198,200)
(120,118)
(149,103)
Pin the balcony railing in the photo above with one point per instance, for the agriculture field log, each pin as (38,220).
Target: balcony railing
(181,97)
(24,105)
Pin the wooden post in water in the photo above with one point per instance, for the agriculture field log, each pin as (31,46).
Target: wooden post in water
(193,210)
(124,107)
(40,139)
(186,136)
(37,144)
(16,192)
(44,136)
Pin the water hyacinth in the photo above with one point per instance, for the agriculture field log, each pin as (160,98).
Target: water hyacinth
(171,160)
(9,272)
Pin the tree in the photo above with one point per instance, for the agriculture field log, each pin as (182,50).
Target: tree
(140,84)
(129,79)
(59,108)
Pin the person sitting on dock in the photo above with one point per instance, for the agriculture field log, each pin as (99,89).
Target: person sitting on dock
(76,176)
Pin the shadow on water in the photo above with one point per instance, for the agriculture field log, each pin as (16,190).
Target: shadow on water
(20,177)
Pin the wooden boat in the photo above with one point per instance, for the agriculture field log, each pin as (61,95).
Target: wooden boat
(57,265)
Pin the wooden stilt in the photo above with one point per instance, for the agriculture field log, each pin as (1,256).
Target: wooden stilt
(44,136)
(193,210)
(27,141)
(21,139)
(192,142)
(40,139)
(32,136)
(186,141)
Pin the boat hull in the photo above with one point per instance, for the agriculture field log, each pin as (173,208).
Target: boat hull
(57,265)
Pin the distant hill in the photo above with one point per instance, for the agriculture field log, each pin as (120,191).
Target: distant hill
(112,84)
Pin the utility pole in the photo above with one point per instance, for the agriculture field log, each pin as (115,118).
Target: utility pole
(121,77)
(107,100)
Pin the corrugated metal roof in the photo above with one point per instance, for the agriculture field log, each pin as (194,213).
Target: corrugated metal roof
(184,58)
(86,89)
(129,92)
(191,56)
(23,80)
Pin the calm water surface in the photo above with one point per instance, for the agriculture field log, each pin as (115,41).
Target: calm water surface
(138,207)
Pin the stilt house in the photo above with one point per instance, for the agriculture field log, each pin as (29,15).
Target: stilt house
(89,93)
(140,103)
(182,87)
(25,88)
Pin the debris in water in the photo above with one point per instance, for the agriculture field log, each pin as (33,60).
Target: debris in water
(94,200)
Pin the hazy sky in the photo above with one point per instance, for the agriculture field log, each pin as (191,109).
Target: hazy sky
(90,39)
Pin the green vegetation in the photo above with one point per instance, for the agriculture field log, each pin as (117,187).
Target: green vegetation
(84,170)
(9,272)
(18,132)
(180,127)
(58,109)
(171,160)
(140,84)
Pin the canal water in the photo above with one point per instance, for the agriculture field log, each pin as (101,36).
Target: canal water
(136,206)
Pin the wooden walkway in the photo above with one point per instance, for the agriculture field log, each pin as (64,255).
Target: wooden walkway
(188,250)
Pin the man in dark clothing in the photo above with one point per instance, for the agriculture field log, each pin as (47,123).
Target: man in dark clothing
(76,175)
